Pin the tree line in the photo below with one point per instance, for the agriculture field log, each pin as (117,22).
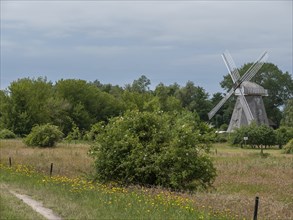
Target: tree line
(77,104)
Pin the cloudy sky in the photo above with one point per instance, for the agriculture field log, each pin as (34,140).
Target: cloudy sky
(118,41)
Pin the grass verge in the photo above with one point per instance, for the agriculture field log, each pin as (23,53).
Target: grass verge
(75,198)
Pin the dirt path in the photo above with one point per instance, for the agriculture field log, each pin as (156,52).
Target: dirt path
(37,206)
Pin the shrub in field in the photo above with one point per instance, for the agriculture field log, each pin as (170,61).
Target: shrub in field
(283,135)
(221,137)
(237,136)
(258,135)
(155,148)
(288,148)
(6,134)
(43,136)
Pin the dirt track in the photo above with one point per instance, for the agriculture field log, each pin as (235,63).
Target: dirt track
(37,206)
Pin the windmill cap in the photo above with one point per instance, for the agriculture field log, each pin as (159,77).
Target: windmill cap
(250,88)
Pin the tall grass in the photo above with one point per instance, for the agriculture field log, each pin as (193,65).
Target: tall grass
(68,159)
(243,174)
(75,198)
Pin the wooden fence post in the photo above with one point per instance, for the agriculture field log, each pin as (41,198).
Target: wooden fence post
(255,208)
(51,169)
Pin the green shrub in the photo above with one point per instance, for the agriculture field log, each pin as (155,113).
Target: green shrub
(237,136)
(258,135)
(74,134)
(288,148)
(43,136)
(7,134)
(221,137)
(155,148)
(223,127)
(283,135)
(96,129)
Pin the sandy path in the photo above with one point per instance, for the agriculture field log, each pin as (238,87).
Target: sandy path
(37,206)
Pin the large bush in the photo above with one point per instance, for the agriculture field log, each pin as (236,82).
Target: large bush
(258,135)
(283,135)
(6,134)
(164,149)
(43,136)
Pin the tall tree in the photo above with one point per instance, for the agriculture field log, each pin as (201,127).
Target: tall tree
(194,98)
(287,119)
(140,85)
(28,104)
(88,104)
(166,98)
(4,109)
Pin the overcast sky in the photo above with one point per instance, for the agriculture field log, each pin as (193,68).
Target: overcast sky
(118,41)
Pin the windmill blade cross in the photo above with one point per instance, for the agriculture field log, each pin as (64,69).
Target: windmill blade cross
(237,80)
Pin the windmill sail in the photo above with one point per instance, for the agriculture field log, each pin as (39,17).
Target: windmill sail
(237,80)
(233,71)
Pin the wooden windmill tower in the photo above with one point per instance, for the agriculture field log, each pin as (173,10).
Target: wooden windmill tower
(249,105)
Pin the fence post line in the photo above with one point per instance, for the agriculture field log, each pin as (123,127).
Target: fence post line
(255,208)
(10,164)
(51,169)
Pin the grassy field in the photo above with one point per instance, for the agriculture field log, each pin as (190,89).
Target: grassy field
(242,175)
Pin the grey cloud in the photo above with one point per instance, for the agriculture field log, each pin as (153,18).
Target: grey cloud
(162,37)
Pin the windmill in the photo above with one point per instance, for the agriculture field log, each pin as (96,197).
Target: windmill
(249,104)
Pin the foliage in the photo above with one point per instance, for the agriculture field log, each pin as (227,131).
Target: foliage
(74,134)
(283,135)
(140,85)
(223,127)
(195,99)
(88,104)
(288,148)
(166,97)
(287,119)
(95,130)
(6,134)
(27,104)
(78,104)
(4,109)
(43,136)
(221,137)
(258,135)
(166,149)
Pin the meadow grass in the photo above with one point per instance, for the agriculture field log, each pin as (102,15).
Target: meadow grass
(243,174)
(68,159)
(76,198)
